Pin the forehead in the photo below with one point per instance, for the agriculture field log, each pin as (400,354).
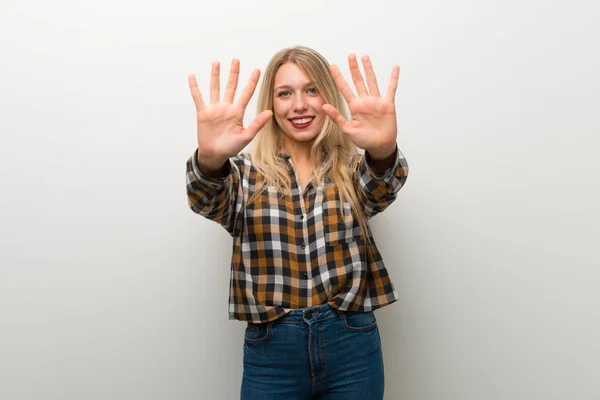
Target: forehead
(290,74)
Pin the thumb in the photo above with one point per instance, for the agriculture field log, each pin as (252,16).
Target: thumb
(337,117)
(256,125)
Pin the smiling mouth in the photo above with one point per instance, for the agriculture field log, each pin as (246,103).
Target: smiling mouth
(301,123)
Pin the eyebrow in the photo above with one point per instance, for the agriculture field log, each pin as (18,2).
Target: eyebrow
(289,87)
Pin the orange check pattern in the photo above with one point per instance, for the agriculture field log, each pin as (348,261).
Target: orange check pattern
(294,249)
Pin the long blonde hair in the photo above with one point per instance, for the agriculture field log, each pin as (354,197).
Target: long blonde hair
(331,153)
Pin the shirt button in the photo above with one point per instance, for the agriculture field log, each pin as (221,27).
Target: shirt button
(302,217)
(303,245)
(305,275)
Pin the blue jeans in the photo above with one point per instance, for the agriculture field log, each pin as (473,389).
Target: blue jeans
(314,353)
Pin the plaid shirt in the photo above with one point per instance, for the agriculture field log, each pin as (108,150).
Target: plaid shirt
(297,249)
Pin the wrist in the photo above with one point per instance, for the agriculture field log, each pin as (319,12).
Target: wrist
(210,165)
(382,153)
(380,165)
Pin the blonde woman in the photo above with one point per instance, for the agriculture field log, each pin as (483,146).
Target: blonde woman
(306,274)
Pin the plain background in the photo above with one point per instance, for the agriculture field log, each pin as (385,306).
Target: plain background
(111,288)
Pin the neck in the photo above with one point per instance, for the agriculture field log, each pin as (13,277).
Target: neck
(299,151)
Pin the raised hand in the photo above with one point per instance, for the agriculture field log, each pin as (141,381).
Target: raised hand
(221,133)
(373,118)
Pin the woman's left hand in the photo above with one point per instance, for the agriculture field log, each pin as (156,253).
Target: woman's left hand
(373,118)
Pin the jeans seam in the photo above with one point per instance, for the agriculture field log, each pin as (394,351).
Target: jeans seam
(361,329)
(323,355)
(310,353)
(267,335)
(357,329)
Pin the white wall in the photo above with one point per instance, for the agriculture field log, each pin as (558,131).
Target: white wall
(111,288)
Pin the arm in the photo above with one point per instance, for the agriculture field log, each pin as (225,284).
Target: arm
(382,171)
(378,181)
(213,195)
(212,178)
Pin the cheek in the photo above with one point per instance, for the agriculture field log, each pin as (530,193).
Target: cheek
(279,109)
(317,105)
(321,122)
(321,114)
(279,112)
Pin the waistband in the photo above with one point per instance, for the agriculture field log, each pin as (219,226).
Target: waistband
(310,314)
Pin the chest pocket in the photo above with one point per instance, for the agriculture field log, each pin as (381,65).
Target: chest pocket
(338,222)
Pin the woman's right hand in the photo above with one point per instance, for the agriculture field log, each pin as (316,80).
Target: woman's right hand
(221,133)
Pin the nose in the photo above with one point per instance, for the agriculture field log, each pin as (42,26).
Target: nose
(299,103)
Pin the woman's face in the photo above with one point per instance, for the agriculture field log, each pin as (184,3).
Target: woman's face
(297,105)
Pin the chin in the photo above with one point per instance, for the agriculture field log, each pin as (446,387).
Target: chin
(303,136)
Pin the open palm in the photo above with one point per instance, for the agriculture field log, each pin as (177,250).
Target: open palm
(221,133)
(372,126)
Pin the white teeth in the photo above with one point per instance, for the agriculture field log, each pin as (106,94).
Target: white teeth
(302,120)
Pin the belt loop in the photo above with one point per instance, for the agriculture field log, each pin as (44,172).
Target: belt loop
(341,314)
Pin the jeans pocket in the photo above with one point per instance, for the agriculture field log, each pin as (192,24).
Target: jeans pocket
(256,333)
(359,321)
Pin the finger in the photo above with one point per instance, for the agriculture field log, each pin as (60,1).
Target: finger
(393,85)
(232,82)
(215,85)
(357,76)
(342,84)
(256,125)
(370,75)
(249,89)
(338,118)
(195,92)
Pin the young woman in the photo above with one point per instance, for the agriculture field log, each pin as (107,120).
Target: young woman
(306,274)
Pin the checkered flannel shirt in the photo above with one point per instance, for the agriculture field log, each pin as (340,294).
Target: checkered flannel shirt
(296,249)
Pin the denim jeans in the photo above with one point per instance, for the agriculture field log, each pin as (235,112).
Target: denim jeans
(314,353)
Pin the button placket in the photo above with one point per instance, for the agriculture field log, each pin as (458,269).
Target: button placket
(299,198)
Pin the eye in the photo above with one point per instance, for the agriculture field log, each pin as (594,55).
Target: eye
(313,90)
(283,93)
